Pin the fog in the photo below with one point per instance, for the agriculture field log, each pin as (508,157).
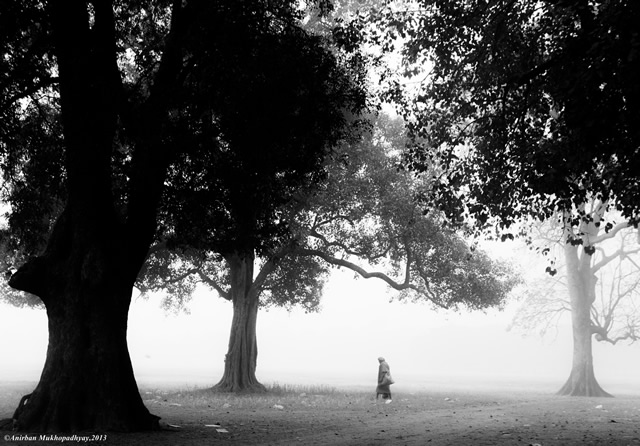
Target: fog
(338,346)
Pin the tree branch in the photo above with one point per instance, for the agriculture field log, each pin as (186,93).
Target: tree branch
(347,250)
(609,235)
(270,265)
(213,284)
(399,286)
(150,157)
(603,336)
(608,259)
(317,224)
(32,89)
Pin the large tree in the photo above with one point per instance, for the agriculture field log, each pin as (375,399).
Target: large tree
(118,79)
(260,135)
(525,109)
(364,217)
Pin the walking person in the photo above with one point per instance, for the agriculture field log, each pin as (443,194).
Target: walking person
(384,381)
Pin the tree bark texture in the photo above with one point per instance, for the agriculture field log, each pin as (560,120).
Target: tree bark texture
(582,283)
(242,355)
(87,382)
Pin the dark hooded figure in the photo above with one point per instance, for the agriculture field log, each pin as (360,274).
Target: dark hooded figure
(384,381)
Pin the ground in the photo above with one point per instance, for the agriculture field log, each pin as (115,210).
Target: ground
(327,416)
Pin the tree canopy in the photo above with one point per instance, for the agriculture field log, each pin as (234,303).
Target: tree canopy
(365,216)
(368,219)
(527,106)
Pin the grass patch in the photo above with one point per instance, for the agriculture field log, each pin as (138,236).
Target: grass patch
(289,389)
(278,396)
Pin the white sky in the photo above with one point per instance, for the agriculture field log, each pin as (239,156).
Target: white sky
(338,346)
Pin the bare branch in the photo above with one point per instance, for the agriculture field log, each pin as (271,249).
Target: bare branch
(399,286)
(616,254)
(609,235)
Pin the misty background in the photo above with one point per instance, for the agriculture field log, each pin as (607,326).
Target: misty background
(427,349)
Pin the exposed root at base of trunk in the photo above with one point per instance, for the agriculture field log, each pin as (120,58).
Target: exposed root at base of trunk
(58,422)
(588,388)
(11,424)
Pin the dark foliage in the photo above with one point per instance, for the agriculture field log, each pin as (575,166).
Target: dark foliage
(526,106)
(261,113)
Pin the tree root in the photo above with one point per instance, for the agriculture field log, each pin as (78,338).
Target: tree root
(11,424)
(587,387)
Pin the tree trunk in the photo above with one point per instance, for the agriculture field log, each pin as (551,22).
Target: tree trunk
(582,380)
(87,382)
(242,356)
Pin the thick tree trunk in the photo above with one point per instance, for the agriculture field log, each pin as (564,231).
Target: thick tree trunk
(87,382)
(582,380)
(242,356)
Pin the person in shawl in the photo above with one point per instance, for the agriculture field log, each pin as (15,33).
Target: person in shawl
(384,381)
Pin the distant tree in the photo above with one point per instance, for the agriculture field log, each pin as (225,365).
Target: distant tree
(525,110)
(94,99)
(363,217)
(598,290)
